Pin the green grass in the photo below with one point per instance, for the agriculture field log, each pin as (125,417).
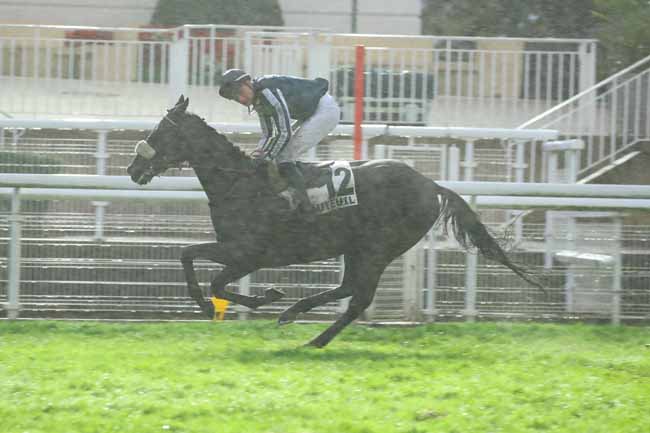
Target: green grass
(247,377)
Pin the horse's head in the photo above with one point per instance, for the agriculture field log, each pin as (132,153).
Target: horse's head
(165,147)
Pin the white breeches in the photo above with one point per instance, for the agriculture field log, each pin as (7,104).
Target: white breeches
(313,130)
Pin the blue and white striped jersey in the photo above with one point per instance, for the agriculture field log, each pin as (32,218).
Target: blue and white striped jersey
(278,99)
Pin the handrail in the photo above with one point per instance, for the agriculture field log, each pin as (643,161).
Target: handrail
(179,184)
(488,196)
(369,130)
(583,93)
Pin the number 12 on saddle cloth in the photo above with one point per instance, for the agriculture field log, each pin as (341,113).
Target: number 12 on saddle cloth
(332,189)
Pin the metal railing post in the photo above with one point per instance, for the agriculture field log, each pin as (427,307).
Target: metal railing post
(469,165)
(13,304)
(101,156)
(412,283)
(453,170)
(617,287)
(549,236)
(380,151)
(248,54)
(520,161)
(179,65)
(318,56)
(344,303)
(432,264)
(520,177)
(471,271)
(244,289)
(587,55)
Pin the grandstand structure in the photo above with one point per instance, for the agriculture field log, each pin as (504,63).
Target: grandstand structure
(120,259)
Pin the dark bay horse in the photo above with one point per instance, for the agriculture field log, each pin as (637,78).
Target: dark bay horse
(396,207)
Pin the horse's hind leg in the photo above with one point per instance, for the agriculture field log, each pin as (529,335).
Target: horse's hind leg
(361,278)
(221,253)
(343,291)
(358,303)
(306,304)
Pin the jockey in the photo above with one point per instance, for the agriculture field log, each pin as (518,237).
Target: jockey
(278,99)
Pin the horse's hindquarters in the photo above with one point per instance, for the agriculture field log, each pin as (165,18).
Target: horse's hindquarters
(397,204)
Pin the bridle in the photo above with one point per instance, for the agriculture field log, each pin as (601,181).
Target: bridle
(234,183)
(225,170)
(172,122)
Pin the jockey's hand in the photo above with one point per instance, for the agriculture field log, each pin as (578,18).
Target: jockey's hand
(258,158)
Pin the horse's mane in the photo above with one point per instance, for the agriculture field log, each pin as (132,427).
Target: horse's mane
(221,142)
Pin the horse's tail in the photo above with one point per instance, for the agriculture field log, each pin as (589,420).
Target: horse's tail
(471,232)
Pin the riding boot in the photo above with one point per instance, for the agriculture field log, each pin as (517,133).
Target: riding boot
(276,181)
(297,187)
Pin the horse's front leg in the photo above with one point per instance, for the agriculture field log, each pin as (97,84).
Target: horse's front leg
(188,255)
(236,267)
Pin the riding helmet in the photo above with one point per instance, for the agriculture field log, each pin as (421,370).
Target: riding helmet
(230,82)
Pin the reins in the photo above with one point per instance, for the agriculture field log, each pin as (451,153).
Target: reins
(234,181)
(224,169)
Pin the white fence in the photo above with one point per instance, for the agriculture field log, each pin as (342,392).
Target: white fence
(522,147)
(108,72)
(418,298)
(84,255)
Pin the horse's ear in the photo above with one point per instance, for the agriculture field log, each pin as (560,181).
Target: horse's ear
(181,105)
(184,105)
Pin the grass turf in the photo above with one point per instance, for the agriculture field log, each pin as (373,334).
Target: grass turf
(247,377)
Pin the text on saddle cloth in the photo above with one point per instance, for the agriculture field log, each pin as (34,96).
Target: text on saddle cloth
(331,186)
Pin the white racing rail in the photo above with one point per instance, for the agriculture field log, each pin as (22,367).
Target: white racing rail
(518,137)
(488,194)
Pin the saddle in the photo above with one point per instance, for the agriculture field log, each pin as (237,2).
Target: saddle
(329,185)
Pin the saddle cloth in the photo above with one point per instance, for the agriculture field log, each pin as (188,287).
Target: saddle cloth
(330,185)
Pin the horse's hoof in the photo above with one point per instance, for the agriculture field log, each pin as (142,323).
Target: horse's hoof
(208,310)
(272,294)
(316,344)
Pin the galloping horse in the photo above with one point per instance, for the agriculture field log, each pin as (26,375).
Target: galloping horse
(388,208)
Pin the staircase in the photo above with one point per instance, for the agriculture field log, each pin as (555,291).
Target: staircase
(612,118)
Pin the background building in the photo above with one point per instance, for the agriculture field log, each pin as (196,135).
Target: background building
(116,13)
(373,16)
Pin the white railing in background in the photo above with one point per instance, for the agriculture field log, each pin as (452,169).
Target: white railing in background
(610,117)
(19,186)
(167,187)
(462,80)
(521,144)
(84,71)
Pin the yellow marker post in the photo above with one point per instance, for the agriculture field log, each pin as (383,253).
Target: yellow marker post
(220,307)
